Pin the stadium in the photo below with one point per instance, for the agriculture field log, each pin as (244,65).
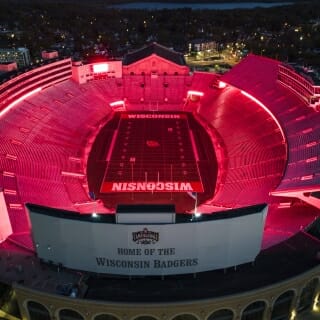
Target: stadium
(140,190)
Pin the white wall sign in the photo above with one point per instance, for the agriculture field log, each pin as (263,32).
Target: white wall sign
(161,249)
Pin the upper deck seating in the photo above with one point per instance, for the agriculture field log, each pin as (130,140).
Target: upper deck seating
(301,125)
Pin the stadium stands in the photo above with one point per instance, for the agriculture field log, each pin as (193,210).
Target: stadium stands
(254,150)
(262,139)
(254,147)
(299,122)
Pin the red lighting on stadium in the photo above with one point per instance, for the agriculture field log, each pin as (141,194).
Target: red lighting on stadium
(101,68)
(222,85)
(119,103)
(251,97)
(15,102)
(214,168)
(195,93)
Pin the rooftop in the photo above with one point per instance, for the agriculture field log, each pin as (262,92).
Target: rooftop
(154,48)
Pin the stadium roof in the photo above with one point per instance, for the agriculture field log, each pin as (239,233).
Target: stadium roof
(154,48)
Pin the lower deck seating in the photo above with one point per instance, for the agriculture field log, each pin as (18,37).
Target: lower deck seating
(254,149)
(42,157)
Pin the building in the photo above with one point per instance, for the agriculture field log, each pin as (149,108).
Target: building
(202,45)
(49,54)
(159,194)
(8,66)
(156,60)
(83,73)
(19,55)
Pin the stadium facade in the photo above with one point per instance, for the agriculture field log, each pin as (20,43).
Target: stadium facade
(137,189)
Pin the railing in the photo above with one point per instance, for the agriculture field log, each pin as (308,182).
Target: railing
(301,85)
(40,77)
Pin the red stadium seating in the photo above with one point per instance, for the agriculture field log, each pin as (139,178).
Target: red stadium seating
(46,139)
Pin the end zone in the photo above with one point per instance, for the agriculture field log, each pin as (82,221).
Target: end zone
(194,186)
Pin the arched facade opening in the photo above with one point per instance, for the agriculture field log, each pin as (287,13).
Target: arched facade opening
(185,317)
(37,311)
(282,306)
(68,314)
(223,314)
(307,295)
(254,311)
(145,318)
(105,317)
